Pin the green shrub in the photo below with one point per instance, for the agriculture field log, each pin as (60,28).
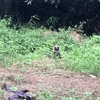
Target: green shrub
(27,44)
(85,58)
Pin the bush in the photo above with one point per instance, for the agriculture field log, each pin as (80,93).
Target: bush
(27,44)
(85,58)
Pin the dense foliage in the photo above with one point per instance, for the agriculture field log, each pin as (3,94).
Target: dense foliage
(85,58)
(28,44)
(59,13)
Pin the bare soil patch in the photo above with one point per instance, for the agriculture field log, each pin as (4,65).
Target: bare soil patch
(40,79)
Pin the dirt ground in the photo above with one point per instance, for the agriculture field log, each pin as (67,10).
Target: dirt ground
(36,78)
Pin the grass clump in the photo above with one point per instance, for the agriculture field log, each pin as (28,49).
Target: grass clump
(27,44)
(86,58)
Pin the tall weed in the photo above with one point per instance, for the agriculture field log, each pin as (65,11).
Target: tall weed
(85,58)
(28,44)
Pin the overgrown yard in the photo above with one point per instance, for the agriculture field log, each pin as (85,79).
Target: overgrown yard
(26,62)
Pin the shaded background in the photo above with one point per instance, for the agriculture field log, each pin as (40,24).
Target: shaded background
(54,14)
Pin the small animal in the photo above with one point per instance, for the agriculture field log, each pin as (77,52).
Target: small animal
(56,51)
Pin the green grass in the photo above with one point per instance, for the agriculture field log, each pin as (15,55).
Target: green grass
(85,58)
(28,44)
(47,95)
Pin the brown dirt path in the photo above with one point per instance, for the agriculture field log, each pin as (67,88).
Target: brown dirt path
(37,79)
